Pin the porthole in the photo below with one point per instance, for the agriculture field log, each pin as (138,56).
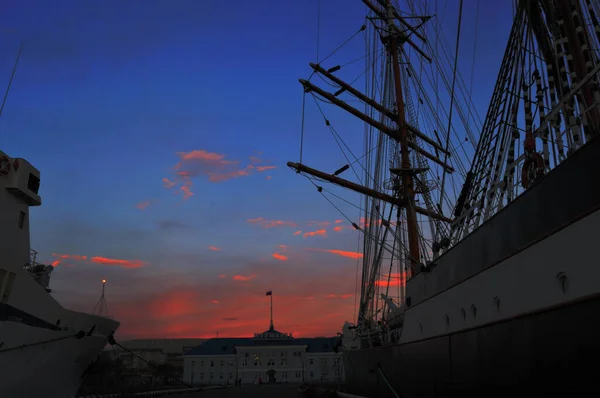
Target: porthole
(563,281)
(497,303)
(474,310)
(464,313)
(447,320)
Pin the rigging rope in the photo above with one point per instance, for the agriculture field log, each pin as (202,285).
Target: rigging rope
(79,335)
(318,27)
(460,9)
(302,126)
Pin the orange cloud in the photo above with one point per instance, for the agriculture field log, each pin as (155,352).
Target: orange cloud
(213,165)
(297,233)
(279,256)
(268,177)
(97,260)
(214,248)
(270,223)
(363,222)
(61,257)
(120,263)
(319,232)
(263,168)
(339,221)
(143,205)
(395,279)
(222,276)
(243,278)
(214,301)
(341,296)
(340,228)
(342,253)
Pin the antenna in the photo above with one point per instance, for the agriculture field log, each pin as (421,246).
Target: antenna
(11,79)
(101,308)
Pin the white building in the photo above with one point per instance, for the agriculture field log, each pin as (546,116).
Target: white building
(273,356)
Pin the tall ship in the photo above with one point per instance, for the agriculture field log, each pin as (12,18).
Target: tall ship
(479,270)
(45,349)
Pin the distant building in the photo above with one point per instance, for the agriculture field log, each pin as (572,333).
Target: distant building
(158,351)
(273,356)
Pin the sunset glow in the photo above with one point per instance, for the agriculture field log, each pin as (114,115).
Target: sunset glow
(162,148)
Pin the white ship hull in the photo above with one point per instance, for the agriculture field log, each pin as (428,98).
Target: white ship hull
(51,363)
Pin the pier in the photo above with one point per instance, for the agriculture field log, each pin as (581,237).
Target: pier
(247,391)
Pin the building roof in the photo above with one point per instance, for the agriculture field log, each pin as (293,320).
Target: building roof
(226,346)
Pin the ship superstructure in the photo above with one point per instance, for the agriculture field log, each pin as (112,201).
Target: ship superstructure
(45,349)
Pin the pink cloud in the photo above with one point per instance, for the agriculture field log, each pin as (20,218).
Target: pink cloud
(215,166)
(143,205)
(279,256)
(319,232)
(244,278)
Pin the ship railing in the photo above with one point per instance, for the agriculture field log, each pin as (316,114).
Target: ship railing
(32,257)
(39,272)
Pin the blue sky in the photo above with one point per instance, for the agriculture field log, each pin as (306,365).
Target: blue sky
(107,93)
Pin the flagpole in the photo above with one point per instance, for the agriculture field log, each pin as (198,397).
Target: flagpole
(272,311)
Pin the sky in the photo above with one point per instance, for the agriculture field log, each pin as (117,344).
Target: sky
(162,131)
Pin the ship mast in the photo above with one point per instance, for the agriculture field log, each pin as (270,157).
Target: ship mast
(408,191)
(401,134)
(403,153)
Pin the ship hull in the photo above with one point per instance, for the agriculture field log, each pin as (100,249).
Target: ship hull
(526,324)
(51,363)
(552,353)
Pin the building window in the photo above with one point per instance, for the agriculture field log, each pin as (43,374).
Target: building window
(271,362)
(284,374)
(323,361)
(324,373)
(201,363)
(230,363)
(244,363)
(212,364)
(211,376)
(221,376)
(283,353)
(22,219)
(283,362)
(311,374)
(222,363)
(202,375)
(298,375)
(231,375)
(310,361)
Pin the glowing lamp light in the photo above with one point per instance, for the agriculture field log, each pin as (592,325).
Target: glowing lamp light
(103,280)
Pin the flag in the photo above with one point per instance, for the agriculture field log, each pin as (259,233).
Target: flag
(269,293)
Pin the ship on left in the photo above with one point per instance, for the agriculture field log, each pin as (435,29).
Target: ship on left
(45,349)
